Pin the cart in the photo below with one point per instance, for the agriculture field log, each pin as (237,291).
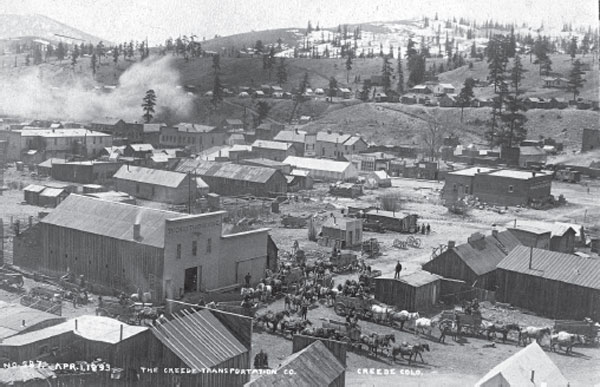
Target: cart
(348,333)
(370,248)
(469,323)
(11,280)
(361,306)
(586,328)
(343,261)
(367,279)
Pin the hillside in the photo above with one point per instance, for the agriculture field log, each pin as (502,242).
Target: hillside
(42,27)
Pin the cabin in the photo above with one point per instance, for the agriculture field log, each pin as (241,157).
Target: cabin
(448,100)
(559,103)
(474,262)
(552,284)
(393,221)
(555,236)
(273,150)
(382,178)
(418,291)
(556,82)
(347,232)
(323,169)
(299,180)
(138,151)
(443,88)
(421,89)
(531,155)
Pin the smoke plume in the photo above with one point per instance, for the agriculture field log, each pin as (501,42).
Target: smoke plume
(34,94)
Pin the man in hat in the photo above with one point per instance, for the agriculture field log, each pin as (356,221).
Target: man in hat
(398,270)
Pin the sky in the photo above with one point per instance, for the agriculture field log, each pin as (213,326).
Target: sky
(119,20)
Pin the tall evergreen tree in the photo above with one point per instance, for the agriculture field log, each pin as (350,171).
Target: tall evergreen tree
(386,74)
(348,66)
(148,104)
(573,47)
(216,63)
(516,74)
(576,80)
(282,72)
(60,52)
(74,55)
(263,109)
(115,53)
(473,50)
(217,95)
(333,84)
(546,66)
(94,63)
(465,96)
(400,87)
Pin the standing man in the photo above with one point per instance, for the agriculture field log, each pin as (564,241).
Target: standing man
(287,302)
(248,277)
(398,270)
(304,309)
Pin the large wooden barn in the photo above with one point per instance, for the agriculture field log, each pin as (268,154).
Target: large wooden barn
(475,261)
(235,179)
(552,284)
(127,247)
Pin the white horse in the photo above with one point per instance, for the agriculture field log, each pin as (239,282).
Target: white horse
(382,312)
(424,324)
(266,291)
(403,316)
(566,340)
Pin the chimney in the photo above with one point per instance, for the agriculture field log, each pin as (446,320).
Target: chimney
(137,231)
(532,376)
(120,333)
(451,245)
(494,231)
(478,170)
(530,258)
(23,324)
(75,324)
(328,131)
(533,173)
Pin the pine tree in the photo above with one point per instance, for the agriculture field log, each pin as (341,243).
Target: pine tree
(365,91)
(516,74)
(512,44)
(386,74)
(332,88)
(473,50)
(216,63)
(149,101)
(309,28)
(575,79)
(116,55)
(74,55)
(400,87)
(217,95)
(465,96)
(546,66)
(573,48)
(348,66)
(262,108)
(282,72)
(94,63)
(417,70)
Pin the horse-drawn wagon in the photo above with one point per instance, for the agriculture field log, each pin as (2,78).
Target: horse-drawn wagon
(586,328)
(343,261)
(366,278)
(238,307)
(11,280)
(350,333)
(361,306)
(293,221)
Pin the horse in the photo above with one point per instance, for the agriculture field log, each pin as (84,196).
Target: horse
(294,326)
(371,341)
(386,340)
(424,324)
(493,328)
(448,327)
(566,340)
(535,332)
(272,318)
(403,316)
(265,290)
(318,332)
(409,350)
(382,312)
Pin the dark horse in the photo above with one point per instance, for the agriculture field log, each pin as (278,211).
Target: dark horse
(410,350)
(504,329)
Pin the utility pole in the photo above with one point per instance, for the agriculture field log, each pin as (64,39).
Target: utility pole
(189,192)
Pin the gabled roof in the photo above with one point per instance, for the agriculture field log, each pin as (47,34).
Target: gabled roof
(381,175)
(353,140)
(52,192)
(446,85)
(233,121)
(141,147)
(317,164)
(114,220)
(199,339)
(531,151)
(553,265)
(48,163)
(315,365)
(336,138)
(274,145)
(150,176)
(291,136)
(227,171)
(34,188)
(484,254)
(555,229)
(517,370)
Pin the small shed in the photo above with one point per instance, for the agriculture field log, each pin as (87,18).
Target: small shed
(348,231)
(32,194)
(394,221)
(417,291)
(382,178)
(51,197)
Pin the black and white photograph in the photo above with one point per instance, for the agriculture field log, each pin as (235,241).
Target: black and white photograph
(310,193)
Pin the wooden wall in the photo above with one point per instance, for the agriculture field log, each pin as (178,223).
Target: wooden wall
(107,261)
(406,296)
(548,298)
(338,348)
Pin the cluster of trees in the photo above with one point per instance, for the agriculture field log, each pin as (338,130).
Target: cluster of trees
(184,46)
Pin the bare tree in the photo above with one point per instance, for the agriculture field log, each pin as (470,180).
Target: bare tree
(433,136)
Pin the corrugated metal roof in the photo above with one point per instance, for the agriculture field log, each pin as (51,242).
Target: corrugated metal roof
(553,265)
(317,164)
(52,192)
(540,227)
(96,328)
(199,339)
(470,171)
(291,136)
(518,369)
(114,220)
(142,147)
(483,255)
(276,145)
(227,171)
(13,315)
(150,176)
(315,365)
(193,128)
(263,162)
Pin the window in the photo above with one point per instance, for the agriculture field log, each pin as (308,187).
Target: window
(137,188)
(178,256)
(510,188)
(209,245)
(194,248)
(454,189)
(100,140)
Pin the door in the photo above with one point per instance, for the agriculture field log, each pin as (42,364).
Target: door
(190,280)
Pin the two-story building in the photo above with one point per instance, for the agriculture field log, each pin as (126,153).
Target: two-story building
(304,142)
(273,150)
(338,146)
(195,137)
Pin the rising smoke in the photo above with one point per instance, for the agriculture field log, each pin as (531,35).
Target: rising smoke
(33,94)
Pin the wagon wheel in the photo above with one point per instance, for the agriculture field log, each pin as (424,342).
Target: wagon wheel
(367,314)
(20,283)
(410,240)
(340,309)
(418,243)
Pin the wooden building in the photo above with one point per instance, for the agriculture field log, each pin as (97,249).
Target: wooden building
(552,284)
(127,247)
(511,187)
(323,169)
(414,292)
(346,231)
(273,150)
(382,178)
(267,163)
(554,236)
(474,262)
(32,193)
(201,340)
(235,179)
(52,197)
(84,172)
(139,151)
(299,180)
(590,139)
(16,319)
(313,365)
(394,221)
(460,183)
(156,184)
